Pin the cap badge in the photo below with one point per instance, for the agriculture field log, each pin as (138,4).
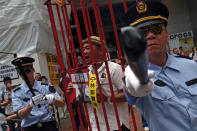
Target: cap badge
(141,7)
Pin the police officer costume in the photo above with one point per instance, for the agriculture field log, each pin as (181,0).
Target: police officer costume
(172,105)
(40,118)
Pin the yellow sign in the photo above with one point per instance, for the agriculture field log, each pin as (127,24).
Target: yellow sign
(54,68)
(92,90)
(187,44)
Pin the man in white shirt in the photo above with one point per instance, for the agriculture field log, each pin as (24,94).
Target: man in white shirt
(115,73)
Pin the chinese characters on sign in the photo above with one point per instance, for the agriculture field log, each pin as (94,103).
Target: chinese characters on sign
(53,67)
(8,71)
(92,90)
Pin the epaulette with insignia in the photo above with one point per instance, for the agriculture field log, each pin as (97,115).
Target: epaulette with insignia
(15,86)
(44,83)
(52,89)
(16,89)
(182,56)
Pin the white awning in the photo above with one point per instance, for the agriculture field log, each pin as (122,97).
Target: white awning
(25,29)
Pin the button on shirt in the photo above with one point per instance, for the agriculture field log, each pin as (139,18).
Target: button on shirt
(21,98)
(172,106)
(115,72)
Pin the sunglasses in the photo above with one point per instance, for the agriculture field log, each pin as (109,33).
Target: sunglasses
(26,70)
(155,29)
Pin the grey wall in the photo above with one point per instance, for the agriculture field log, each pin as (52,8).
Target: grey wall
(179,19)
(192,4)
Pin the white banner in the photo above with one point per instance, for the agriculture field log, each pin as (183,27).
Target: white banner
(8,71)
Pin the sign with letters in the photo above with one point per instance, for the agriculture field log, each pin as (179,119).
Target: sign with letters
(184,39)
(8,71)
(79,80)
(183,35)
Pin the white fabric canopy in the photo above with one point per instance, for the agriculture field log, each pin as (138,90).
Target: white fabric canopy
(25,28)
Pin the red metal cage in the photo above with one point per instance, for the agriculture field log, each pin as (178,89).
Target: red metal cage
(68,41)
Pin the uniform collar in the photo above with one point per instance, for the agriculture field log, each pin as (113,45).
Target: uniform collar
(99,69)
(27,88)
(172,63)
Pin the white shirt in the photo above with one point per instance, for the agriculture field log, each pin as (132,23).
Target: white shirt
(8,107)
(194,57)
(115,72)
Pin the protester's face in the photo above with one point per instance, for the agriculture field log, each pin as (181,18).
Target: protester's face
(157,38)
(8,83)
(44,80)
(97,51)
(175,51)
(37,76)
(194,49)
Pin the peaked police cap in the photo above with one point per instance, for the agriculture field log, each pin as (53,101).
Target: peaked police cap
(23,61)
(144,13)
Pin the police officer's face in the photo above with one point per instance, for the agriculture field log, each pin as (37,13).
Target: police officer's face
(157,39)
(29,72)
(97,51)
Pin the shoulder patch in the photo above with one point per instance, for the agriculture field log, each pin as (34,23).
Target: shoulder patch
(159,83)
(16,89)
(52,89)
(43,83)
(15,86)
(191,82)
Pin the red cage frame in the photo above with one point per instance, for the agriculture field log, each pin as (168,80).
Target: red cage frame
(64,24)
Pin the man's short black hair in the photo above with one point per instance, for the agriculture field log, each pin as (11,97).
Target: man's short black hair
(180,47)
(38,73)
(43,77)
(6,79)
(175,49)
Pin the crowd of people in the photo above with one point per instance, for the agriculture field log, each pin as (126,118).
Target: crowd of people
(167,101)
(186,54)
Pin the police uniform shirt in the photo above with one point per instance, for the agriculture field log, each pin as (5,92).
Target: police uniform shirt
(21,98)
(172,105)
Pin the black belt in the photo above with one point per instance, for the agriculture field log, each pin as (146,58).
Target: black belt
(42,124)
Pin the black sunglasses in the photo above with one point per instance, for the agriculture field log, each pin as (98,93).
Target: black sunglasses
(155,29)
(26,70)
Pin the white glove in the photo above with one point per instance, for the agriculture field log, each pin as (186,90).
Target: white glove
(35,100)
(49,99)
(134,86)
